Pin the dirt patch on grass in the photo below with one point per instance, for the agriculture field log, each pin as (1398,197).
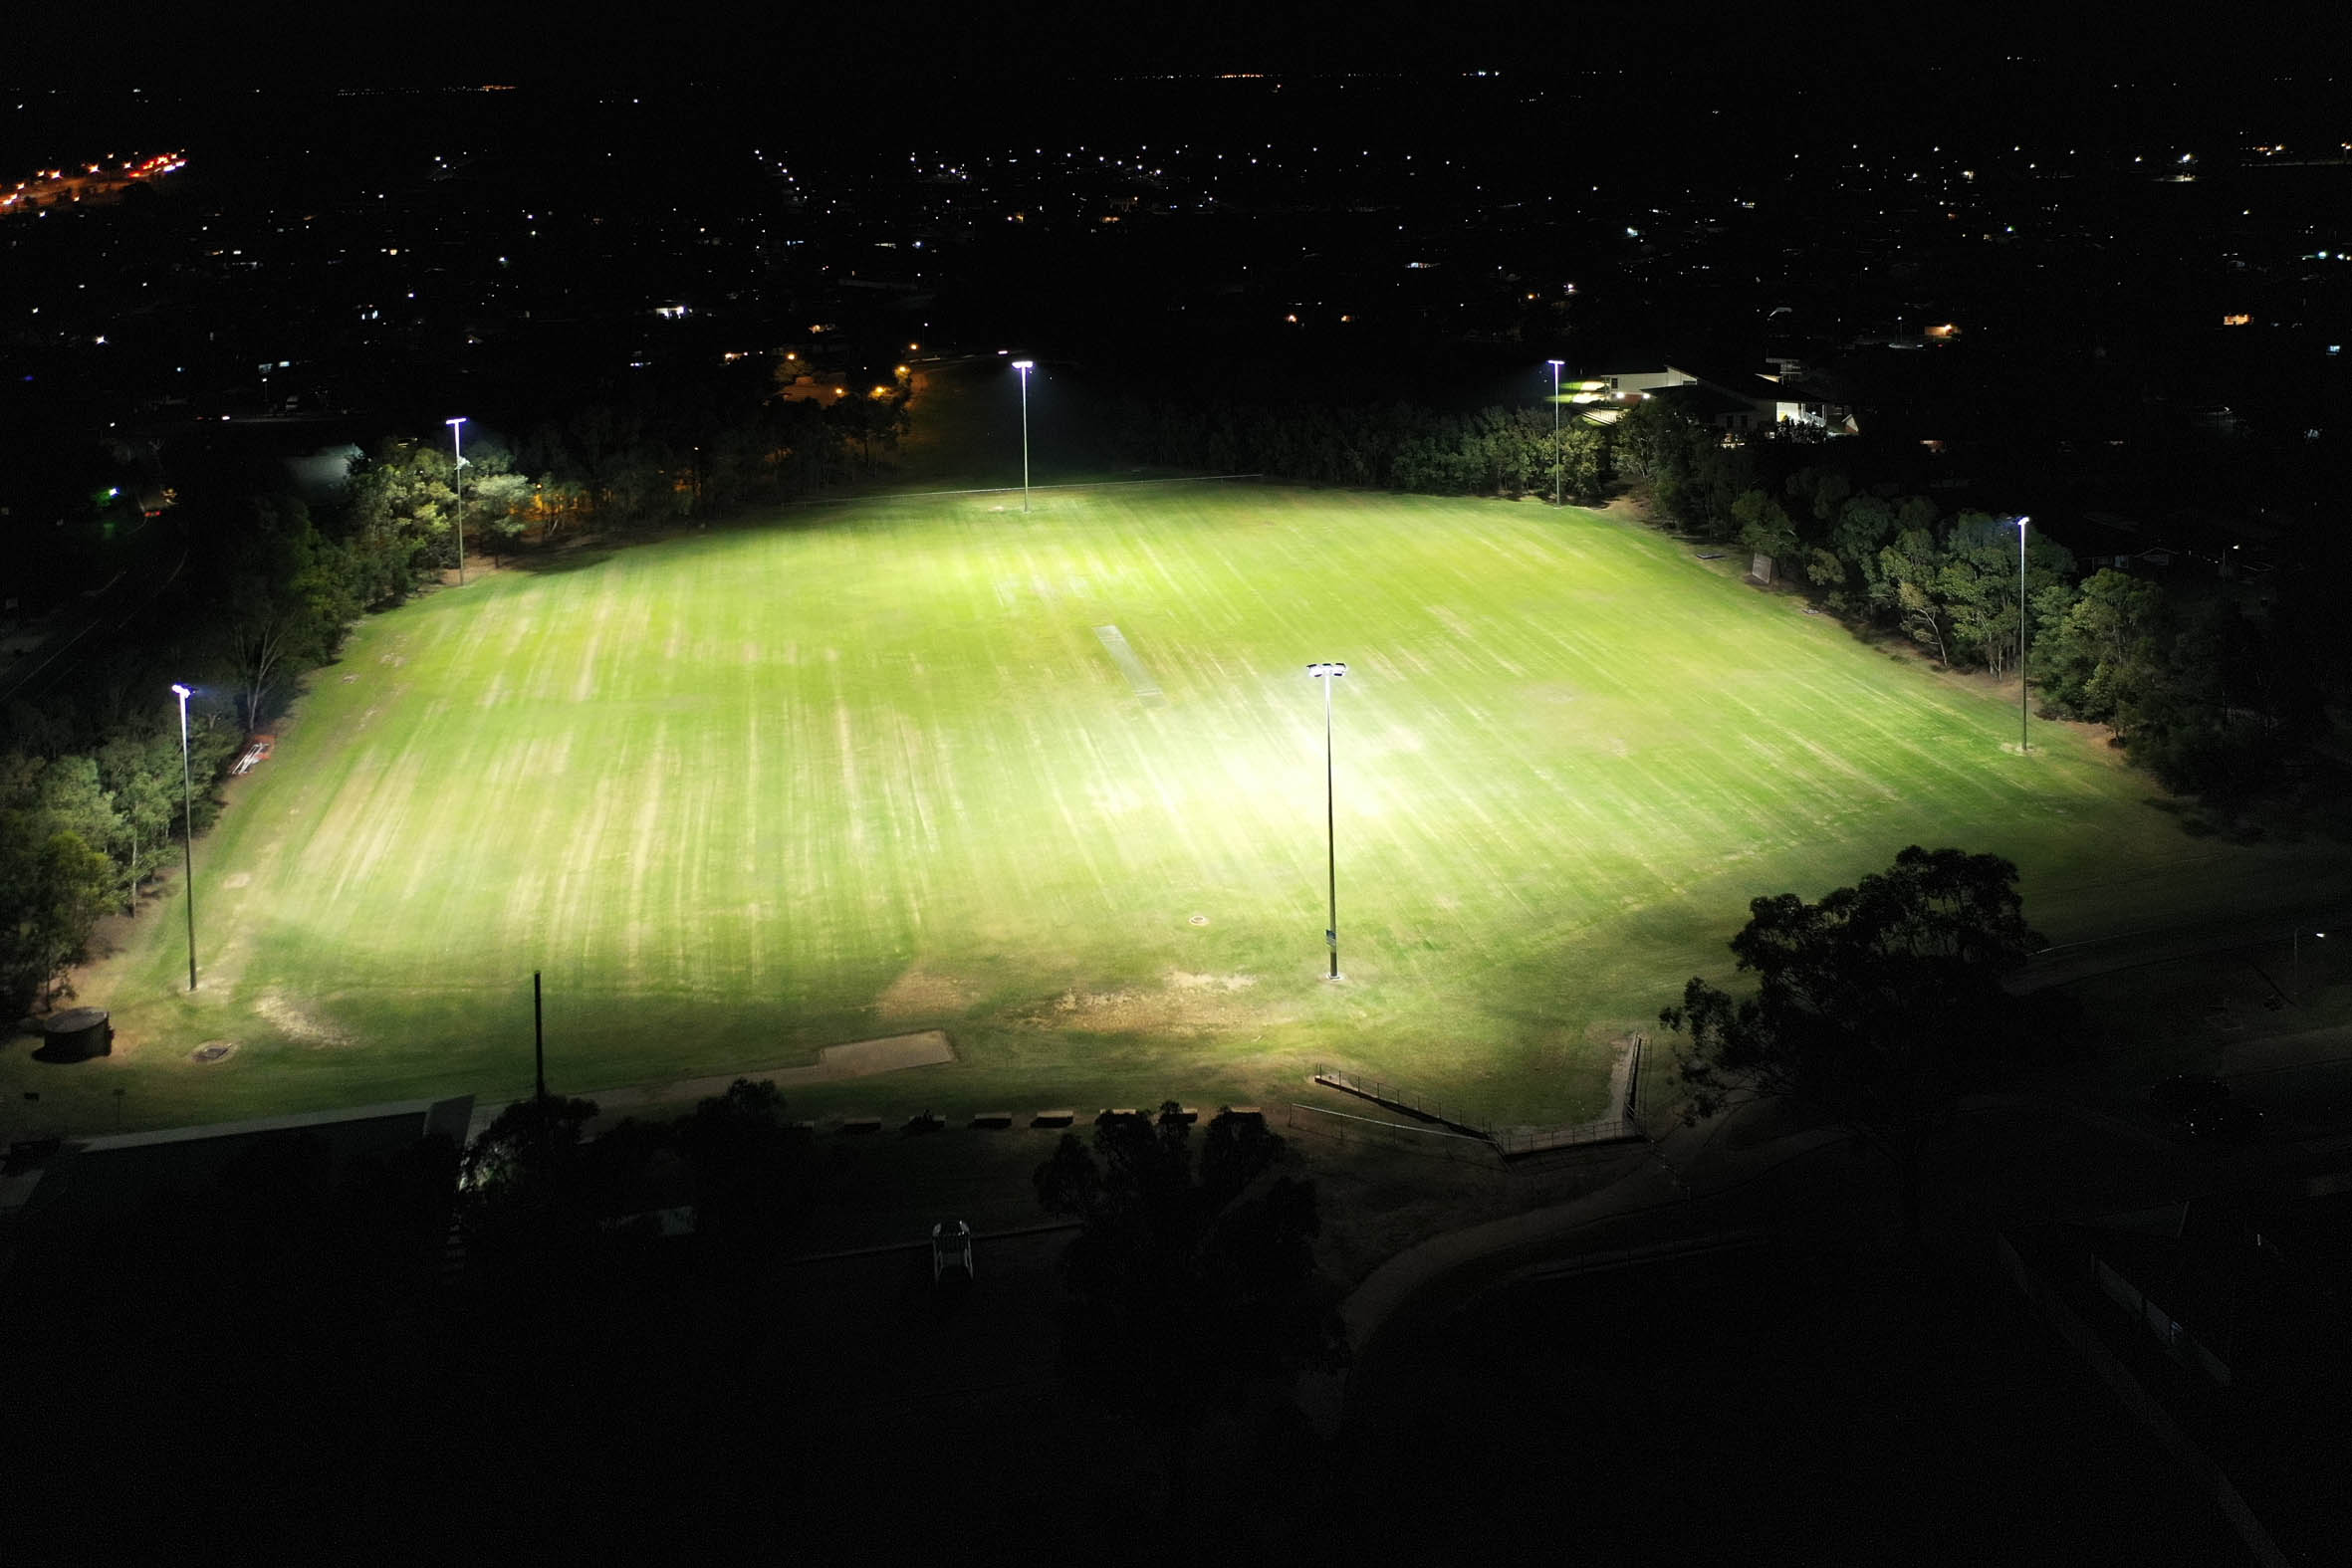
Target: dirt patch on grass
(1186,1002)
(1111,1010)
(1181,980)
(862,1058)
(296,1024)
(922,993)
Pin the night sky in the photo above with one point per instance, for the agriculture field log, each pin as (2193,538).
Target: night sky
(862,49)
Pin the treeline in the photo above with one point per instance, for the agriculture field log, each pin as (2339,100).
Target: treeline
(1394,446)
(90,789)
(2212,689)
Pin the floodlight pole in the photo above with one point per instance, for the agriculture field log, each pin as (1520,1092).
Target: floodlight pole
(457,485)
(538,1039)
(187,797)
(1330,675)
(1556,454)
(1025,367)
(2021,745)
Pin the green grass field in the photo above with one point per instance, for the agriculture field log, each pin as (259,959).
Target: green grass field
(873,768)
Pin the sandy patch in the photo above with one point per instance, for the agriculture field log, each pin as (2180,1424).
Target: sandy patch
(922,993)
(1181,980)
(296,1024)
(1184,1002)
(862,1058)
(237,878)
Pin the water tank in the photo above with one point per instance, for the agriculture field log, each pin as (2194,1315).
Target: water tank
(77,1034)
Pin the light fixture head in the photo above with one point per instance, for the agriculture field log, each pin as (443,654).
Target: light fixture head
(1024,365)
(2022,519)
(1332,669)
(181,692)
(1556,363)
(459,420)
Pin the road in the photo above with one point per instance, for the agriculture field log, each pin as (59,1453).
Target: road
(157,559)
(2134,949)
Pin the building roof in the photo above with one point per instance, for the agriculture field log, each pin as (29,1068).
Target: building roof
(95,1179)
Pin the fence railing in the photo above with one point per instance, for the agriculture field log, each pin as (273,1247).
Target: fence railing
(1516,1143)
(1398,1098)
(1509,1142)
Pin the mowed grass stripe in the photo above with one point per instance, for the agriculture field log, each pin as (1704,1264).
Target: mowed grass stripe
(753,792)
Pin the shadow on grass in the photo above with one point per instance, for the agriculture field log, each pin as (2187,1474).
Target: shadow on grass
(554,562)
(2310,815)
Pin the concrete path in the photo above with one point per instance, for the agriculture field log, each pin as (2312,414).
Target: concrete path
(1673,1188)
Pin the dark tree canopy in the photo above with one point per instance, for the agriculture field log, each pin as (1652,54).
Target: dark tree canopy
(1879,1005)
(1186,1285)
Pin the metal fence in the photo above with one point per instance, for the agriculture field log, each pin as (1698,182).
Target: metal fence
(1516,1143)
(1509,1142)
(1423,1139)
(1398,1098)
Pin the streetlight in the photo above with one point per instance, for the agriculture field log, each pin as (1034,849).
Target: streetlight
(1025,367)
(457,483)
(2316,935)
(188,822)
(1555,364)
(2021,522)
(1330,675)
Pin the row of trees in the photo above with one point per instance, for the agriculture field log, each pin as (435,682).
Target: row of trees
(2207,690)
(1397,446)
(80,835)
(1878,1007)
(90,779)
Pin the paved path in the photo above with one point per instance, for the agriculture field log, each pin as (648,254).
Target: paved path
(2124,950)
(1751,1172)
(1667,1189)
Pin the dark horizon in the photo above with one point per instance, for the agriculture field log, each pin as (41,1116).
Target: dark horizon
(931,43)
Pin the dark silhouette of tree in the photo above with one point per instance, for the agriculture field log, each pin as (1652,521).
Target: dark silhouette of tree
(1879,1005)
(1187,1287)
(751,1176)
(526,1200)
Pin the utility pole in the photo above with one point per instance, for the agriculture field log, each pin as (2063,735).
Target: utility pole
(1329,674)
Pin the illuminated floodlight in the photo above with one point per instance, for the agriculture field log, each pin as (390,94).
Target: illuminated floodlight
(1025,367)
(457,483)
(1555,449)
(2316,935)
(2022,521)
(187,825)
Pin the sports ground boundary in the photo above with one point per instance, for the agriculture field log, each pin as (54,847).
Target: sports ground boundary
(856,1060)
